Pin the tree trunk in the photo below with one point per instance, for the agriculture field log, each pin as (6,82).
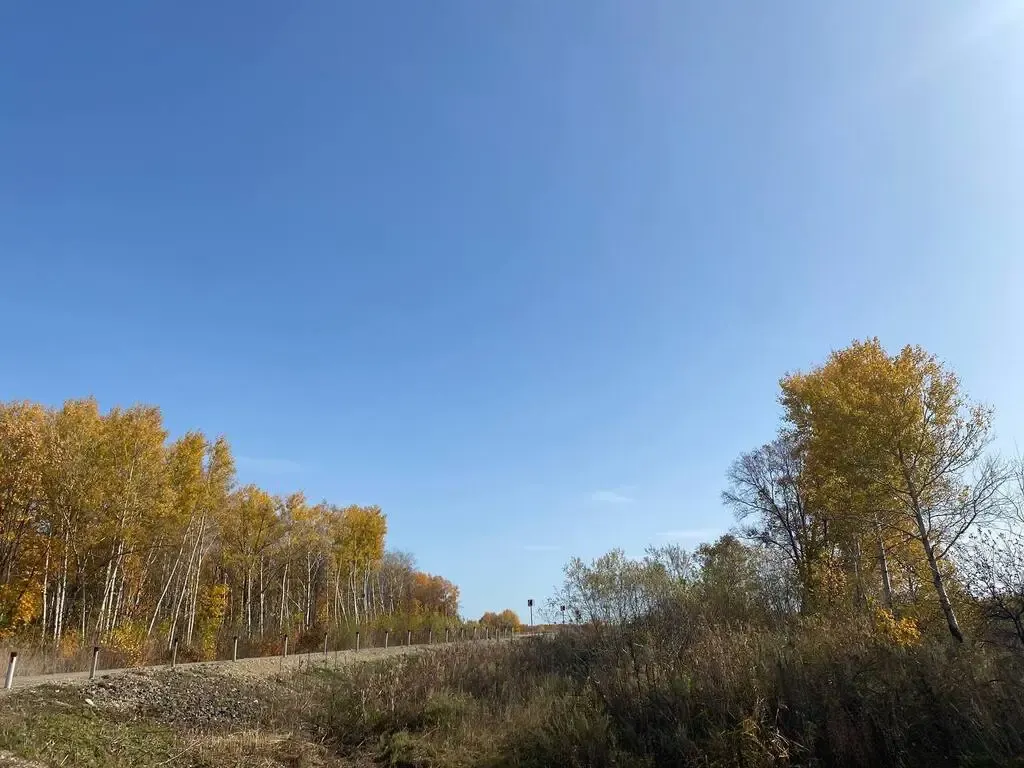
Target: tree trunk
(883,566)
(46,587)
(284,592)
(167,585)
(261,597)
(194,602)
(937,579)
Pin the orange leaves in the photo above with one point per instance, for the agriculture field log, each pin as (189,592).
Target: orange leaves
(435,594)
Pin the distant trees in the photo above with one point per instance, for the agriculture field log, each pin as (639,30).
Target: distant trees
(111,532)
(506,620)
(614,589)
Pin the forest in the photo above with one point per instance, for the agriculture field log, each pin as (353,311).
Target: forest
(111,533)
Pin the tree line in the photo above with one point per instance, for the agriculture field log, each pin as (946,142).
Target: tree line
(110,532)
(878,499)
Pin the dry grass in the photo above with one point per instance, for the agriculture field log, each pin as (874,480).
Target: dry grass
(676,694)
(257,749)
(666,692)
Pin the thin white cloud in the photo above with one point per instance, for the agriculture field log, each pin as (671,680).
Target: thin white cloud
(541,547)
(610,497)
(268,465)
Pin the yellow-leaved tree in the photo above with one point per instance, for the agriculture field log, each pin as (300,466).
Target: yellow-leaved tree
(898,450)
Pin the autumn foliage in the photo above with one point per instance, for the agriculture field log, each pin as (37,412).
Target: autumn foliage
(112,533)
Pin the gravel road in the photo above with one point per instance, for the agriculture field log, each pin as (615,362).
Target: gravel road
(264,666)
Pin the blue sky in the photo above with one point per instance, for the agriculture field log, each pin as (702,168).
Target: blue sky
(523,273)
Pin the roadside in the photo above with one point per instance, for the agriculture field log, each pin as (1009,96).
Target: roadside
(253,666)
(253,712)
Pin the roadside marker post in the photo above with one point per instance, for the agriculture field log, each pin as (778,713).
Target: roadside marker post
(234,648)
(9,680)
(174,653)
(95,661)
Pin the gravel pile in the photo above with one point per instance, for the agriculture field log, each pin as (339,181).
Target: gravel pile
(198,699)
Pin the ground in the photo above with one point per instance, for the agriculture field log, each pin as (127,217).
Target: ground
(215,715)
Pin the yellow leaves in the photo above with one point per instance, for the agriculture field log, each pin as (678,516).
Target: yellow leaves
(18,605)
(435,594)
(249,525)
(358,534)
(212,609)
(507,619)
(129,638)
(69,644)
(902,632)
(22,428)
(122,529)
(888,440)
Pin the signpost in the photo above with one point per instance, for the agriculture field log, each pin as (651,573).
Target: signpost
(529,604)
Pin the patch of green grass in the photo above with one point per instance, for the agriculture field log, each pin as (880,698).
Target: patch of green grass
(47,729)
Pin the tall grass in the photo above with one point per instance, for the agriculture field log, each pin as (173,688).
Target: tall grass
(671,693)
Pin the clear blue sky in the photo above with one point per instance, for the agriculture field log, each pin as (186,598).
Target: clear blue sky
(524,273)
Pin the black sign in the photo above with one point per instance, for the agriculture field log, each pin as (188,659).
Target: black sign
(529,603)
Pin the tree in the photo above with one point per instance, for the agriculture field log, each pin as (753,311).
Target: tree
(773,498)
(435,595)
(22,559)
(504,621)
(250,528)
(898,435)
(993,567)
(110,530)
(993,564)
(728,585)
(614,589)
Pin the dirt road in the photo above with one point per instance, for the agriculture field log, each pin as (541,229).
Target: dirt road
(252,667)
